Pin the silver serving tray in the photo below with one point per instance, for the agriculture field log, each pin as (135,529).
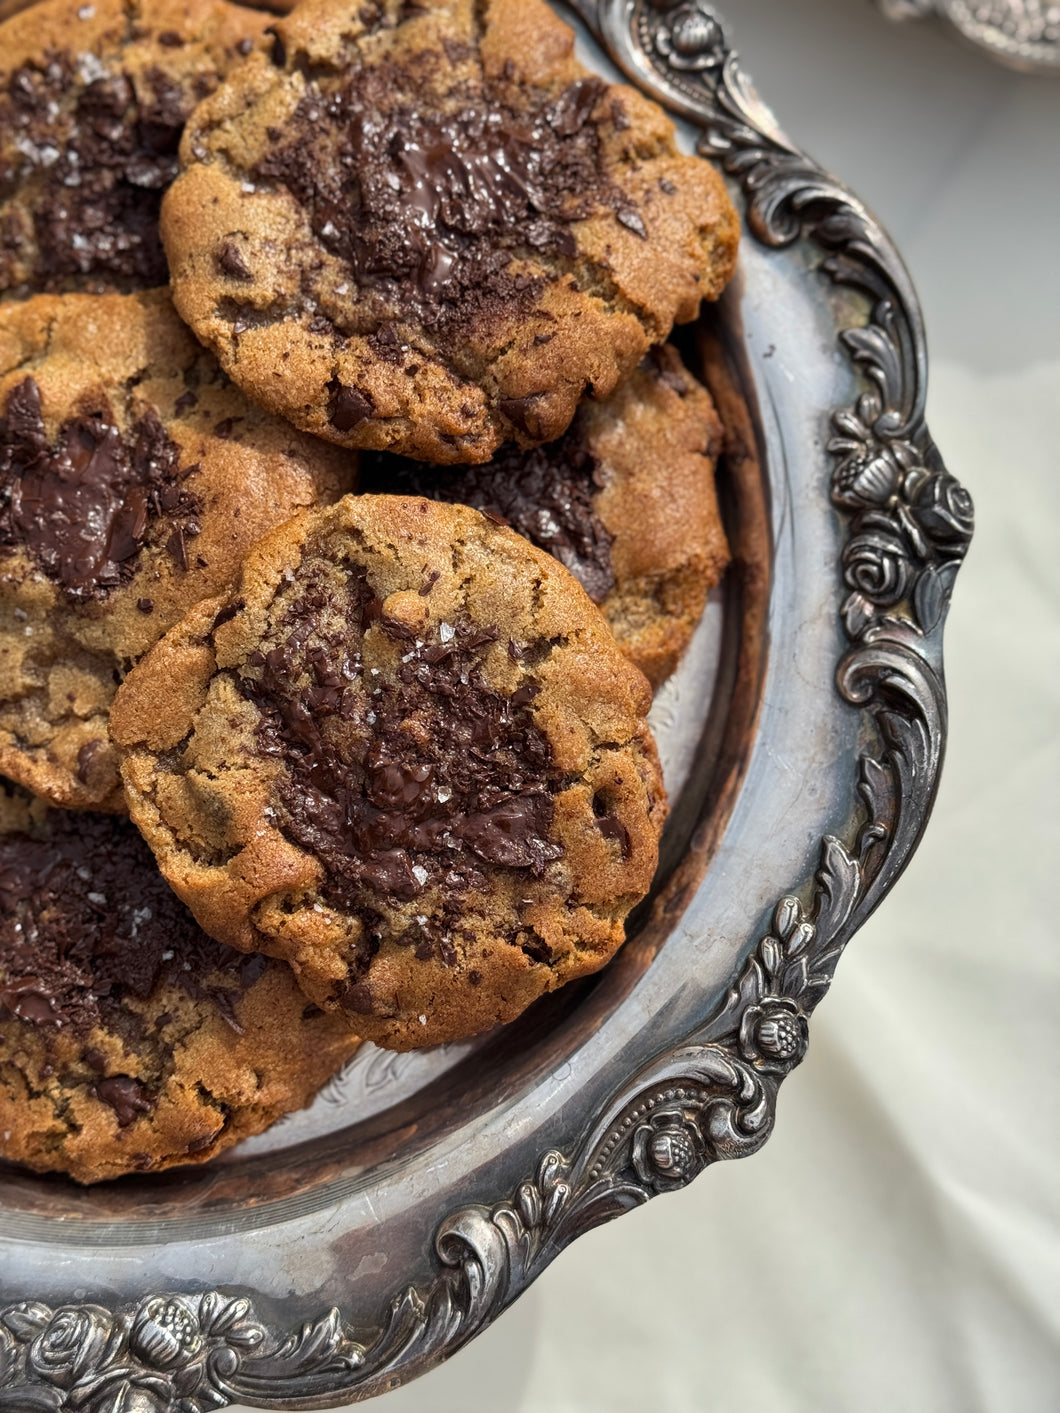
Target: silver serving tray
(360,1243)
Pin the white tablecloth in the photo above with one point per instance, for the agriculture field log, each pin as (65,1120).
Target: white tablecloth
(896,1246)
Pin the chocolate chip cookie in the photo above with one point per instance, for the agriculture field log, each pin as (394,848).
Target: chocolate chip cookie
(405,755)
(93,101)
(133,479)
(425,228)
(625,500)
(129,1040)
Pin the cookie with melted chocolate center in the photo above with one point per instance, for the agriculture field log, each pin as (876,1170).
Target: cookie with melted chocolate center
(93,102)
(625,500)
(405,755)
(129,1040)
(425,228)
(133,479)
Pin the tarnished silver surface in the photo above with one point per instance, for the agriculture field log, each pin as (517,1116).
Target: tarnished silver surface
(355,1246)
(1025,34)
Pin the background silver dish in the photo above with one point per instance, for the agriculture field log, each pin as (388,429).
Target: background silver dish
(358,1244)
(1024,34)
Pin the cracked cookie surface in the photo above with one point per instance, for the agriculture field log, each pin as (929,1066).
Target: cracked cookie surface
(93,102)
(405,755)
(425,228)
(129,1040)
(625,500)
(133,479)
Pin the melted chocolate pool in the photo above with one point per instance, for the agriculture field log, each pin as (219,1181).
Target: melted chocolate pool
(85,507)
(428,207)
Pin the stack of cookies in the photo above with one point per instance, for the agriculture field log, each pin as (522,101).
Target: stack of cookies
(351,505)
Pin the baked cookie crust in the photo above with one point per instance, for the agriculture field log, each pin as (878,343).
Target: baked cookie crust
(625,500)
(405,755)
(133,480)
(427,229)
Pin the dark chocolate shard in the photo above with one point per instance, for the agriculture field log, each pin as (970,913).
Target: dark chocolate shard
(522,412)
(126,1096)
(632,220)
(611,827)
(230,262)
(348,407)
(85,757)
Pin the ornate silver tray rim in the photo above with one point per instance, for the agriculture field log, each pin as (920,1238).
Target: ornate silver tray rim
(696,1084)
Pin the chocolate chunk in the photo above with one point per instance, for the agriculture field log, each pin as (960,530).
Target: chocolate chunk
(229,612)
(278,52)
(611,827)
(348,407)
(231,263)
(252,968)
(86,918)
(25,1000)
(85,756)
(85,507)
(632,221)
(145,605)
(186,401)
(521,411)
(537,949)
(358,998)
(663,369)
(512,835)
(126,1096)
(547,494)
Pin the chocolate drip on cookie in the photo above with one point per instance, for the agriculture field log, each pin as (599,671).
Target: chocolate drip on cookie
(546,493)
(428,208)
(85,505)
(400,784)
(87,920)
